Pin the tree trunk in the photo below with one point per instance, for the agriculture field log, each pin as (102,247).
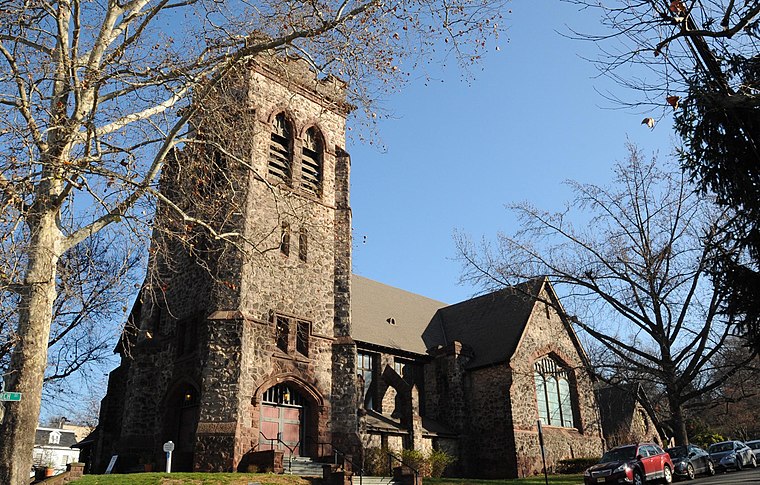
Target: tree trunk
(29,359)
(679,424)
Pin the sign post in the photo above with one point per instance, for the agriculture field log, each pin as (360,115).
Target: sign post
(543,455)
(169,448)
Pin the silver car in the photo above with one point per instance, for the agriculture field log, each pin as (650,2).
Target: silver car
(755,445)
(732,454)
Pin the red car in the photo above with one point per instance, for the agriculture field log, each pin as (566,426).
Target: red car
(631,464)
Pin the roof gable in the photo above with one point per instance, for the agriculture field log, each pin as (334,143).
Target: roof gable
(491,325)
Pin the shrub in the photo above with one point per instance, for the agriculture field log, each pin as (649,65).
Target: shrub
(416,460)
(438,461)
(376,462)
(576,465)
(707,438)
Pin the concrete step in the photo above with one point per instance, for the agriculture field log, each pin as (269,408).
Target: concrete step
(302,466)
(374,481)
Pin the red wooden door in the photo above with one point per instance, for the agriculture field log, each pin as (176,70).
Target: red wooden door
(281,428)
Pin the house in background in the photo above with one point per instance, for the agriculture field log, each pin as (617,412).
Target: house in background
(53,448)
(628,417)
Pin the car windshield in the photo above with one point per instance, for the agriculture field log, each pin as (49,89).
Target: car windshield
(721,447)
(619,454)
(677,452)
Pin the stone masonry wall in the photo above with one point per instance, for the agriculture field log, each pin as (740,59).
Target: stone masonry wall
(547,334)
(489,439)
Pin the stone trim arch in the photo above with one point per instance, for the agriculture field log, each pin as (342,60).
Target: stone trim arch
(289,117)
(316,428)
(328,147)
(305,388)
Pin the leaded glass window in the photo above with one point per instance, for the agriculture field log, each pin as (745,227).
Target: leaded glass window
(553,396)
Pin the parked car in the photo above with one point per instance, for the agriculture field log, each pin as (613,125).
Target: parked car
(633,464)
(732,454)
(690,460)
(755,446)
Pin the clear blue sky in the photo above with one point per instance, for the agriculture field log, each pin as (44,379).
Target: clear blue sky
(457,153)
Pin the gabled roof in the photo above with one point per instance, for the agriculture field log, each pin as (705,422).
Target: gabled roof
(373,304)
(491,325)
(617,405)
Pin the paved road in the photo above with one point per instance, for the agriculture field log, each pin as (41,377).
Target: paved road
(730,478)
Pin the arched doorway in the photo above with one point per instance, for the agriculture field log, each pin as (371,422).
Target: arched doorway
(181,422)
(283,419)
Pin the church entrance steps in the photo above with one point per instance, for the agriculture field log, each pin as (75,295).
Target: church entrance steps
(302,466)
(374,481)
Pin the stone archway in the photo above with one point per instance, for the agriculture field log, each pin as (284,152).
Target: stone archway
(291,416)
(182,408)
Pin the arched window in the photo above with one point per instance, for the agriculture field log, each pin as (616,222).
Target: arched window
(311,163)
(555,405)
(280,147)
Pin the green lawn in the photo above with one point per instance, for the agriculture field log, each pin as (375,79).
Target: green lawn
(272,479)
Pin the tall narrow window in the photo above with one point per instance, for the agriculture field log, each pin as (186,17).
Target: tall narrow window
(553,397)
(280,155)
(282,332)
(285,239)
(303,331)
(311,162)
(366,369)
(187,336)
(303,244)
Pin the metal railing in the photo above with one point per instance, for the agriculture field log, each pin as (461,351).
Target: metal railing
(337,453)
(392,457)
(271,446)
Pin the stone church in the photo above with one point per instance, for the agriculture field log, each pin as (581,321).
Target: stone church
(285,348)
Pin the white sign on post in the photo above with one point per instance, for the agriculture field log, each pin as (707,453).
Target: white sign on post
(169,448)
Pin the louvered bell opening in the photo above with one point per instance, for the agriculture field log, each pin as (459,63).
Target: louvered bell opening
(279,149)
(311,163)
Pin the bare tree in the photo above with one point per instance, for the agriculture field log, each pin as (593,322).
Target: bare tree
(95,96)
(94,280)
(633,260)
(700,60)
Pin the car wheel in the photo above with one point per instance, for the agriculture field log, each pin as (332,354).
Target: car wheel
(638,478)
(690,472)
(710,468)
(667,475)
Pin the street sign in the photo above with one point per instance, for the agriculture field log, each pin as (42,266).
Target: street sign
(10,396)
(169,446)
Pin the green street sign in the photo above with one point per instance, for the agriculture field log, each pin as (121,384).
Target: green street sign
(10,396)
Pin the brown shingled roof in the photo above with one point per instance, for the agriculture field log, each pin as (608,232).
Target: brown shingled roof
(491,325)
(373,304)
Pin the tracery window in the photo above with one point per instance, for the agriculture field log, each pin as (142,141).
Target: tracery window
(555,405)
(280,149)
(311,162)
